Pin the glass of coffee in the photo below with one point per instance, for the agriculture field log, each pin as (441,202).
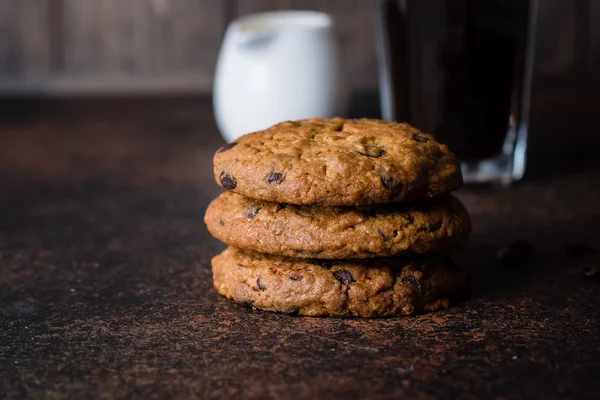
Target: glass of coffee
(462,70)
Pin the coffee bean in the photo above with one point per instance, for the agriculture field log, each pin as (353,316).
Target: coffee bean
(344,276)
(276,177)
(412,281)
(227,180)
(385,237)
(417,137)
(389,183)
(226,147)
(372,151)
(515,254)
(253,212)
(260,284)
(295,277)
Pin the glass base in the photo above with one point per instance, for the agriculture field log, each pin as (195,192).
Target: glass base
(507,167)
(487,171)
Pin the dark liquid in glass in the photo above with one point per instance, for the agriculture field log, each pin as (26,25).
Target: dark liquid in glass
(457,69)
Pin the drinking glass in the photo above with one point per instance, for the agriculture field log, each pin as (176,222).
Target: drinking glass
(462,70)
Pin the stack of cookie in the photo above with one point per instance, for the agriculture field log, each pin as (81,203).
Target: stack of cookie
(338,217)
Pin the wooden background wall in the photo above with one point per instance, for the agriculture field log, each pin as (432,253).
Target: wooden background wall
(66,46)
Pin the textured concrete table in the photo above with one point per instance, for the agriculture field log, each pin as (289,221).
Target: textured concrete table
(105,286)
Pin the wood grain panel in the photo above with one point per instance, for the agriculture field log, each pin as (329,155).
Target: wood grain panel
(594,21)
(66,44)
(142,37)
(24,45)
(197,30)
(85,39)
(355,26)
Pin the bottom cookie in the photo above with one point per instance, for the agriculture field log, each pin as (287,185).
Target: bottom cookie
(371,288)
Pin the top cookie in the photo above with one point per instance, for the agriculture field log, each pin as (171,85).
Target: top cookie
(337,162)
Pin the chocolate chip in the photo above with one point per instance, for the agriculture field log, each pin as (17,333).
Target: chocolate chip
(260,284)
(299,251)
(515,254)
(434,227)
(417,137)
(227,181)
(275,177)
(410,219)
(579,250)
(253,212)
(372,151)
(344,276)
(390,183)
(591,267)
(385,237)
(226,147)
(221,223)
(412,281)
(295,277)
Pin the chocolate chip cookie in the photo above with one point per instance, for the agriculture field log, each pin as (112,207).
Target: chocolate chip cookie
(311,231)
(337,162)
(367,288)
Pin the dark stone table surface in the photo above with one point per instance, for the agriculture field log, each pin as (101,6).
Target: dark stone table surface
(105,283)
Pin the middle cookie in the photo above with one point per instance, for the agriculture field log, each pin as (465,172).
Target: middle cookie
(381,230)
